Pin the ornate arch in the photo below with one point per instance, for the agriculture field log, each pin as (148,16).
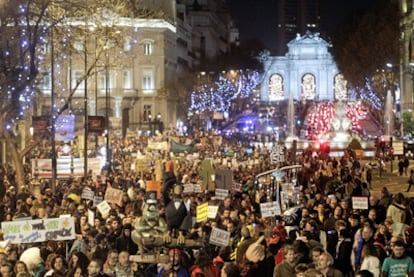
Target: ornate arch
(308,85)
(276,87)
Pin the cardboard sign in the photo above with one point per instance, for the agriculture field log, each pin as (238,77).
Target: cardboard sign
(188,188)
(104,208)
(114,196)
(91,218)
(221,194)
(202,212)
(219,237)
(360,202)
(212,211)
(269,209)
(88,194)
(39,230)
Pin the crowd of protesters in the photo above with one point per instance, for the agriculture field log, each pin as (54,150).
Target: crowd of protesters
(319,233)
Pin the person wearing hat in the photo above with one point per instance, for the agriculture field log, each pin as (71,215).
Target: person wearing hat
(253,261)
(124,241)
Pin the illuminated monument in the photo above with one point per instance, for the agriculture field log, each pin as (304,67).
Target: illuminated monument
(308,71)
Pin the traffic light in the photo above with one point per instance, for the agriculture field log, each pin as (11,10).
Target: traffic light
(382,144)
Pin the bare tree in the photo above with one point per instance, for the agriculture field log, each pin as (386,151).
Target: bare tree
(37,34)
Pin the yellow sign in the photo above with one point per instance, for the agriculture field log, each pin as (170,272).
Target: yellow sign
(202,212)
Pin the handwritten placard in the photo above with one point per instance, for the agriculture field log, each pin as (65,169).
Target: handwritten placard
(202,212)
(38,230)
(219,237)
(104,208)
(360,202)
(212,211)
(114,196)
(221,194)
(270,209)
(188,188)
(91,217)
(88,194)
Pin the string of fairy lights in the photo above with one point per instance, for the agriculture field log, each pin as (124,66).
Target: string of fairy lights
(217,95)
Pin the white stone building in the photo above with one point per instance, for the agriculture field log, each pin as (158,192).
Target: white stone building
(307,71)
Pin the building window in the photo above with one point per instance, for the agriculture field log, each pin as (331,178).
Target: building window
(147,48)
(276,87)
(127,79)
(46,81)
(77,76)
(127,44)
(102,82)
(147,81)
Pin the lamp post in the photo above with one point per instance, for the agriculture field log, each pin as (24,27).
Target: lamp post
(85,100)
(150,123)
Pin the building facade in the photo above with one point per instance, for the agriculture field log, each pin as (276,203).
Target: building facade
(307,72)
(141,81)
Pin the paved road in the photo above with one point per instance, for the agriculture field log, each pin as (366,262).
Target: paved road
(392,181)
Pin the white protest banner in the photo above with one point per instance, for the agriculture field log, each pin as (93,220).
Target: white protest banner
(38,230)
(188,188)
(197,188)
(114,196)
(269,209)
(221,194)
(66,167)
(360,202)
(157,145)
(91,217)
(212,211)
(88,194)
(104,208)
(219,237)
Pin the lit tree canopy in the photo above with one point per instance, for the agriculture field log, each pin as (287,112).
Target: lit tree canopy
(31,31)
(218,95)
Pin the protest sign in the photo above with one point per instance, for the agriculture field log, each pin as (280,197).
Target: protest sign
(221,194)
(360,202)
(269,209)
(97,200)
(88,194)
(212,212)
(188,188)
(202,212)
(91,218)
(114,196)
(104,208)
(219,237)
(38,230)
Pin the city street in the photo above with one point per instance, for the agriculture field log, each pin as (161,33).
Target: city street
(392,181)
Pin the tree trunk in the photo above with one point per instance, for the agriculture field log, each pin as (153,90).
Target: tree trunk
(16,159)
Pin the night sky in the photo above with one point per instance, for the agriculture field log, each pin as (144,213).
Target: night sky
(257,18)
